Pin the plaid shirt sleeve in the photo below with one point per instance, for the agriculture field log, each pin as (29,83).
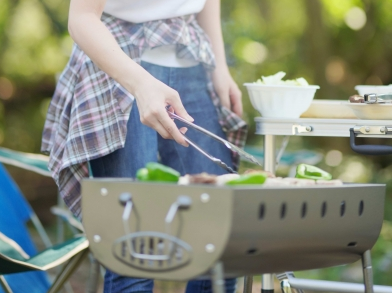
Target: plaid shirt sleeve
(87,117)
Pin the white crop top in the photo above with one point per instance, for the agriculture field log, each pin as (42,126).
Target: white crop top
(138,11)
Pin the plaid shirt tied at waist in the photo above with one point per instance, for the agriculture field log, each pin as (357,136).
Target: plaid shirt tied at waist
(87,117)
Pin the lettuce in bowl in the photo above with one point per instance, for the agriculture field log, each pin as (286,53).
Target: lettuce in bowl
(276,79)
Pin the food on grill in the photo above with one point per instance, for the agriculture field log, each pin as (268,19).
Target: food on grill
(276,79)
(335,182)
(157,172)
(356,99)
(306,171)
(269,174)
(306,175)
(289,181)
(250,178)
(222,179)
(202,178)
(205,178)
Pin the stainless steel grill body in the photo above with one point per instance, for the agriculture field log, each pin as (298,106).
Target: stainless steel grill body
(251,230)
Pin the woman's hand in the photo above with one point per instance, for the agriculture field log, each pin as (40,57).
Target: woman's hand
(152,97)
(227,90)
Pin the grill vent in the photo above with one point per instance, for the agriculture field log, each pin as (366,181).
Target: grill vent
(283,210)
(323,209)
(152,251)
(361,207)
(342,208)
(304,209)
(261,211)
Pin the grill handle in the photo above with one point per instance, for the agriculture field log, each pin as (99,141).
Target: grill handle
(369,149)
(183,202)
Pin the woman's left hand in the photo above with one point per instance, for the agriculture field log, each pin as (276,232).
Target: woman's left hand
(227,90)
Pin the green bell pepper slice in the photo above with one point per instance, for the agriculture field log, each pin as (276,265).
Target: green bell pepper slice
(251,178)
(157,172)
(311,172)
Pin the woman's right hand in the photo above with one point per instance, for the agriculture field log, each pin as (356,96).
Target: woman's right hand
(152,97)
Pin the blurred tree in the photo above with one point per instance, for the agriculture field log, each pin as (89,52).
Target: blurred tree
(34,47)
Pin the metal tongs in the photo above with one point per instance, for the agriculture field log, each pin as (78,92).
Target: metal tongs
(377,98)
(228,144)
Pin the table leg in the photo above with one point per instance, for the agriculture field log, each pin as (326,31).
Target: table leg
(267,283)
(267,280)
(269,153)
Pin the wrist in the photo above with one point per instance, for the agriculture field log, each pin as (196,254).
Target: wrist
(133,77)
(221,64)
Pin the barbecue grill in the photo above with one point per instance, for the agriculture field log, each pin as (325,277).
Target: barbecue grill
(172,232)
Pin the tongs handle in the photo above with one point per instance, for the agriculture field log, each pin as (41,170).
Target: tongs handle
(228,144)
(377,98)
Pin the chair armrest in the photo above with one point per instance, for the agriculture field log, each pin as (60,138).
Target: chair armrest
(68,217)
(33,162)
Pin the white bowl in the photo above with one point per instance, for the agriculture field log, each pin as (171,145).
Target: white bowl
(371,111)
(328,109)
(373,89)
(280,101)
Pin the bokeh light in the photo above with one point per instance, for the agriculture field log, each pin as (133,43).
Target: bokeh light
(254,52)
(335,71)
(373,80)
(355,18)
(44,106)
(6,88)
(355,171)
(333,158)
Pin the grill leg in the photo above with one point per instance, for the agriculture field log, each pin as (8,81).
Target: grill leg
(267,283)
(94,275)
(248,282)
(367,271)
(218,283)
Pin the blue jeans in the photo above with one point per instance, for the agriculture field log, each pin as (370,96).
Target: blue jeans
(143,144)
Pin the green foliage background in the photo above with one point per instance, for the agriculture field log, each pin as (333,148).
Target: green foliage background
(308,38)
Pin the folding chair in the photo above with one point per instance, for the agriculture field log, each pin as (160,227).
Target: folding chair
(15,213)
(13,259)
(19,212)
(38,164)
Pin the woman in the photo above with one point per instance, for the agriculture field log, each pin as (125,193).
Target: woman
(157,53)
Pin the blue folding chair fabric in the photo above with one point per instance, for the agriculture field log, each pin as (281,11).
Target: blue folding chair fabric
(14,213)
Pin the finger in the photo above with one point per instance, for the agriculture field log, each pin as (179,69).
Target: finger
(183,130)
(224,98)
(236,101)
(237,107)
(179,109)
(166,135)
(170,109)
(171,129)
